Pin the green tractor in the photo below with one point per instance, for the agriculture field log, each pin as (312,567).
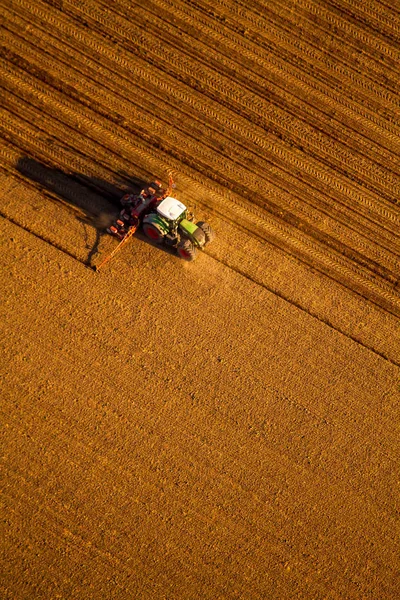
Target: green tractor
(172,225)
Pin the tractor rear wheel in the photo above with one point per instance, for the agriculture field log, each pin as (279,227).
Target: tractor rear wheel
(153,233)
(207,230)
(186,250)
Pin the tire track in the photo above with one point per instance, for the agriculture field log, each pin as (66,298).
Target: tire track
(118,133)
(316,23)
(166,53)
(325,182)
(260,221)
(89,114)
(32,94)
(237,41)
(323,175)
(320,35)
(258,140)
(270,33)
(46,148)
(300,246)
(375,20)
(156,52)
(334,14)
(57,106)
(219,40)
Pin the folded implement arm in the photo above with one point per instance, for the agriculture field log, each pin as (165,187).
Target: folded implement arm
(137,216)
(130,233)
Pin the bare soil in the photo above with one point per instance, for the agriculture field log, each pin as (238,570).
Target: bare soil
(227,428)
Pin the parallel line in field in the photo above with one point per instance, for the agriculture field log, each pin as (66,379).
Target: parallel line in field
(55,190)
(279,117)
(156,52)
(9,158)
(78,166)
(251,40)
(336,14)
(319,22)
(392,197)
(273,35)
(55,105)
(118,103)
(326,260)
(181,59)
(374,66)
(369,208)
(369,173)
(304,26)
(219,40)
(48,149)
(371,16)
(237,40)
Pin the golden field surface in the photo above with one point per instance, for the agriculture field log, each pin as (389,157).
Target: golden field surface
(227,428)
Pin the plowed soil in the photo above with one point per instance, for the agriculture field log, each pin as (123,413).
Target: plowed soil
(228,428)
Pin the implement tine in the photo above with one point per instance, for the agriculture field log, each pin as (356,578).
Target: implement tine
(118,248)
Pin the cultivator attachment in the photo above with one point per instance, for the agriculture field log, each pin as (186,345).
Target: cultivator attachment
(135,207)
(123,239)
(163,219)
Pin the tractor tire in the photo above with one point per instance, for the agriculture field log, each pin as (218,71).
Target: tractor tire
(154,234)
(208,232)
(186,250)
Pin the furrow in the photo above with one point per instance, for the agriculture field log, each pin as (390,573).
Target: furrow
(257,141)
(165,53)
(322,35)
(367,249)
(212,39)
(225,89)
(336,17)
(280,119)
(224,176)
(271,35)
(318,25)
(254,220)
(380,20)
(387,180)
(165,56)
(48,149)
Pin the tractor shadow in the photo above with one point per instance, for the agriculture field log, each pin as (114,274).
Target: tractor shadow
(95,202)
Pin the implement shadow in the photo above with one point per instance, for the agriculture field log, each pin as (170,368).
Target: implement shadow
(93,200)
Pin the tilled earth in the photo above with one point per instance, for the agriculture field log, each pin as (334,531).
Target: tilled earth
(227,428)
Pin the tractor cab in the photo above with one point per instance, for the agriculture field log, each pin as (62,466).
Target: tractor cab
(172,210)
(172,224)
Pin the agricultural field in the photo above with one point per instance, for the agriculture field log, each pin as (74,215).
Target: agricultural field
(224,429)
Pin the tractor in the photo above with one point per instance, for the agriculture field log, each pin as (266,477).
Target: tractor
(172,224)
(163,219)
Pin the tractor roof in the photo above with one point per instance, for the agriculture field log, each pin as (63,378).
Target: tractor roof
(171,208)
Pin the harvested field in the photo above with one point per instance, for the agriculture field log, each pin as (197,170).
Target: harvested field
(227,428)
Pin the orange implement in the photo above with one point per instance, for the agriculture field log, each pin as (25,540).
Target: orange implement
(130,233)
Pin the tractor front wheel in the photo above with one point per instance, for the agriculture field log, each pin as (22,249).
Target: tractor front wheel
(186,250)
(208,232)
(154,234)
